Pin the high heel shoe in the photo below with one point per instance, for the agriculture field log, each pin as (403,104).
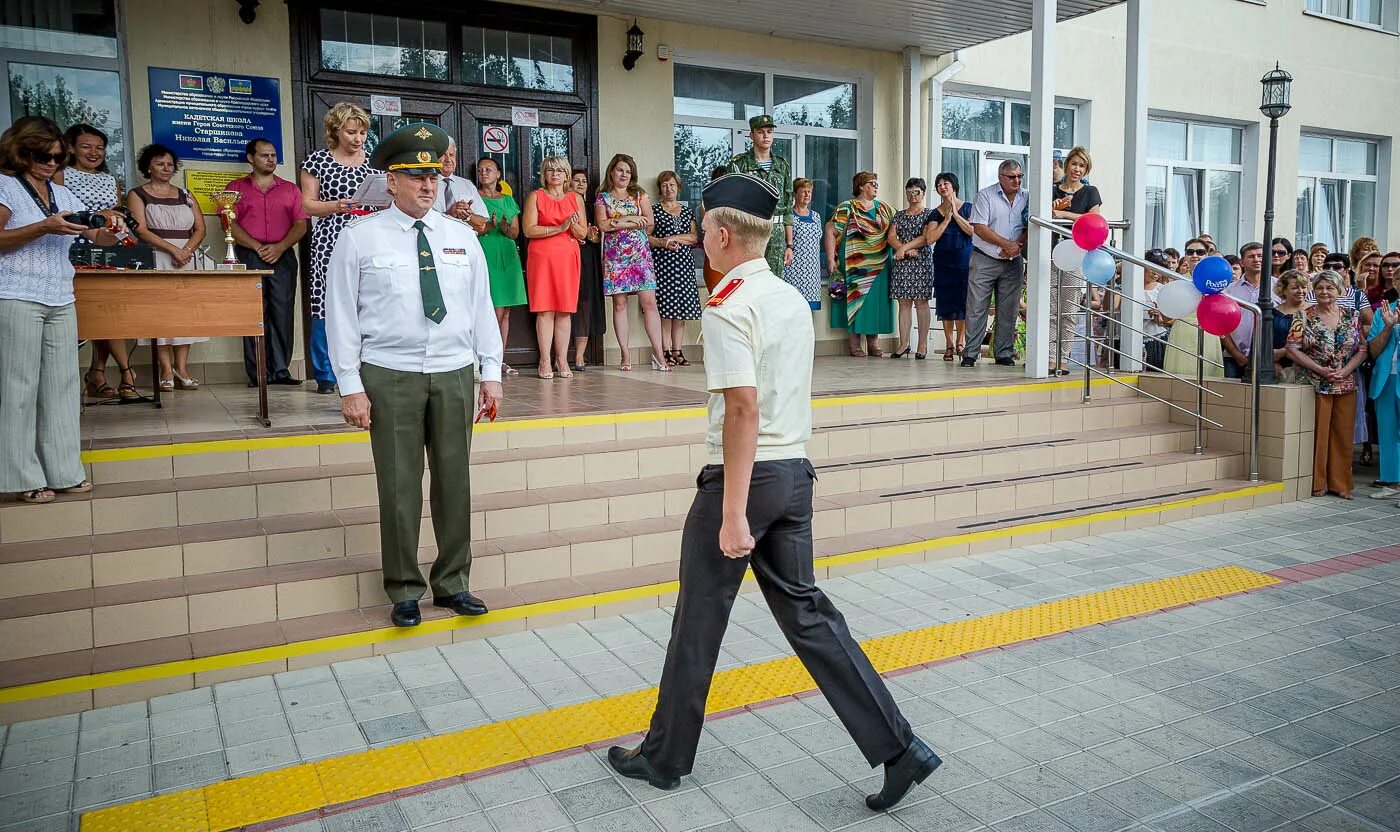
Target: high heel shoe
(948,353)
(901,353)
(98,389)
(127,389)
(680,359)
(659,365)
(182,383)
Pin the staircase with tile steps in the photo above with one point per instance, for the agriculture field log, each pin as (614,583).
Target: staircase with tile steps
(194,558)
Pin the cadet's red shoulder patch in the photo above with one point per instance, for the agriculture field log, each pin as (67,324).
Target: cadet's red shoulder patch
(723,293)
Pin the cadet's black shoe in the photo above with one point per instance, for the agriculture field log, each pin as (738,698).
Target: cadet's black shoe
(290,381)
(969,362)
(324,387)
(463,603)
(908,769)
(406,614)
(1006,362)
(631,763)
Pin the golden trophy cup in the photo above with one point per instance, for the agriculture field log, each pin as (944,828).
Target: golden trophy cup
(226,200)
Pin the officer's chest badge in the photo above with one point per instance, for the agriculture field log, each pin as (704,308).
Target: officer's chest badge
(724,292)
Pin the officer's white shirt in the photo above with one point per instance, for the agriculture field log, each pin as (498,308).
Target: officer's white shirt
(374,303)
(460,190)
(760,336)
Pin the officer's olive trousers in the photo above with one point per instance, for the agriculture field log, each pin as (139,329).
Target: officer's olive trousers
(410,412)
(780,520)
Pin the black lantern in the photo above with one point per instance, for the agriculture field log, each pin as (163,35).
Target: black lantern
(248,11)
(634,47)
(1278,86)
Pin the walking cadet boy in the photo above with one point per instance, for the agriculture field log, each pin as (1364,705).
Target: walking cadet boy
(753,508)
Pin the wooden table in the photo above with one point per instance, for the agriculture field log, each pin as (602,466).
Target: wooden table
(150,303)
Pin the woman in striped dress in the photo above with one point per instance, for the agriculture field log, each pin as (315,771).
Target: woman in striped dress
(859,240)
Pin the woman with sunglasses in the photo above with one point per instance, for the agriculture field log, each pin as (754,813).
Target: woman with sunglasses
(1280,249)
(39,434)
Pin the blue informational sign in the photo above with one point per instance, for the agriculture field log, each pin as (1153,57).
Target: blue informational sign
(211,116)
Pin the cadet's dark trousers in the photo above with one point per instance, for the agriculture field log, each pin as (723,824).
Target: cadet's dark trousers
(780,520)
(408,412)
(279,298)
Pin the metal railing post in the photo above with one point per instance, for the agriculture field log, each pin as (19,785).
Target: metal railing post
(1254,391)
(1200,388)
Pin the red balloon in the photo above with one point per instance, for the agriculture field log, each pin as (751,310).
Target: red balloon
(1090,231)
(1218,314)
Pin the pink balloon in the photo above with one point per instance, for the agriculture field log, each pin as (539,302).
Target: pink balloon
(1090,231)
(1218,314)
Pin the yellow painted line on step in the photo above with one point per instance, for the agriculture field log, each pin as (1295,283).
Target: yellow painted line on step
(224,661)
(307,440)
(310,786)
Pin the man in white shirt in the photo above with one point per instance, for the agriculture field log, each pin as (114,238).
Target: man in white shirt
(753,508)
(1239,345)
(409,323)
(999,235)
(458,197)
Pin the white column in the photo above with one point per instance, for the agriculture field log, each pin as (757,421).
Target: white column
(1037,183)
(1135,177)
(913,114)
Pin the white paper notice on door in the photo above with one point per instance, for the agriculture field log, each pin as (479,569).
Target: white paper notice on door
(525,116)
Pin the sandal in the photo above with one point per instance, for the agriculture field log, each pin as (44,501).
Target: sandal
(98,389)
(670,360)
(948,353)
(36,496)
(681,360)
(904,353)
(167,385)
(127,389)
(508,370)
(81,488)
(182,383)
(659,365)
(1367,455)
(857,353)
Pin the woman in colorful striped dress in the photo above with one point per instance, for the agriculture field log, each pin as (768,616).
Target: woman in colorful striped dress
(859,241)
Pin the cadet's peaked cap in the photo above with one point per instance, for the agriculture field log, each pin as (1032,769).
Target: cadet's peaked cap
(761,121)
(415,149)
(743,192)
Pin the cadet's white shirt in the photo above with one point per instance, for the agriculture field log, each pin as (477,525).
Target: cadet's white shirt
(462,190)
(761,336)
(374,303)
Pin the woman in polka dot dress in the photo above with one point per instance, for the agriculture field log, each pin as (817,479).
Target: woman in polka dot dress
(329,178)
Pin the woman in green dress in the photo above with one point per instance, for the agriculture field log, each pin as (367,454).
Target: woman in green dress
(860,240)
(498,243)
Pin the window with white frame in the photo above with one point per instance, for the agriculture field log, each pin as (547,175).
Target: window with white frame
(817,126)
(1337,186)
(1194,171)
(62,60)
(1368,12)
(979,132)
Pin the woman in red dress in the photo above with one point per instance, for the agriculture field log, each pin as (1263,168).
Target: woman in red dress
(554,221)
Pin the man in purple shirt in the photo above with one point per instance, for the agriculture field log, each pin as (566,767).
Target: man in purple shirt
(1239,344)
(269,220)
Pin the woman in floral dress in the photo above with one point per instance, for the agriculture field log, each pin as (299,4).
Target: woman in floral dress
(858,245)
(623,212)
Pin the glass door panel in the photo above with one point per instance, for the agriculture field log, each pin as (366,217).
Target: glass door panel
(1156,206)
(72,96)
(699,150)
(1304,214)
(1185,220)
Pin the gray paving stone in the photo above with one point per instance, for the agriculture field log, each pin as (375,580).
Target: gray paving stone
(1336,819)
(994,759)
(381,705)
(1087,813)
(39,750)
(43,775)
(778,819)
(1137,799)
(452,716)
(936,815)
(1086,770)
(370,684)
(122,785)
(111,735)
(467,823)
(36,729)
(836,808)
(1129,755)
(718,764)
(109,760)
(329,742)
(113,715)
(536,814)
(1240,813)
(252,706)
(1360,766)
(1224,768)
(188,719)
(801,778)
(190,771)
(24,808)
(304,676)
(1187,821)
(497,789)
(317,693)
(319,716)
(253,730)
(766,752)
(634,819)
(989,802)
(1283,798)
(385,817)
(438,805)
(393,728)
(187,744)
(572,770)
(243,687)
(1037,821)
(438,694)
(589,800)
(1038,785)
(261,756)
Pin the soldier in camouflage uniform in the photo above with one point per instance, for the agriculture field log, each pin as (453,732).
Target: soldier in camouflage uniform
(779,175)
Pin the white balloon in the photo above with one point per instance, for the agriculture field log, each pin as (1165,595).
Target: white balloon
(1178,299)
(1067,255)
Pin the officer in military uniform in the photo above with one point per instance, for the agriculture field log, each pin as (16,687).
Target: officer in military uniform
(759,161)
(410,325)
(753,508)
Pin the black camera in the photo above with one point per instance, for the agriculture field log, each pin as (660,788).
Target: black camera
(87,219)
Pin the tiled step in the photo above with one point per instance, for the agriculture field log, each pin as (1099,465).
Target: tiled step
(157,503)
(841,523)
(951,536)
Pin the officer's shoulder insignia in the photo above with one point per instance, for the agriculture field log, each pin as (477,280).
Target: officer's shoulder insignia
(723,293)
(457,220)
(361,220)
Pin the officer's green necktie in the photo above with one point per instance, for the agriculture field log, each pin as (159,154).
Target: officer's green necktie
(433,306)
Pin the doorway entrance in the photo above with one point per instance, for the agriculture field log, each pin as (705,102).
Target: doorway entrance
(469,70)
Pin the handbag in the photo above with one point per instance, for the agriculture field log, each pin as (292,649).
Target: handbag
(838,289)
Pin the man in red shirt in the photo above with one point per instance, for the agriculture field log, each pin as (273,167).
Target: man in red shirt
(269,222)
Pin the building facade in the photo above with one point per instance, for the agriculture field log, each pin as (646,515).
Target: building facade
(552,81)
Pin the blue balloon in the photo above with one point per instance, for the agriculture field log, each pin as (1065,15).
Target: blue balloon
(1098,267)
(1212,275)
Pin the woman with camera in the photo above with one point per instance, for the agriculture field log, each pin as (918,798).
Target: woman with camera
(39,439)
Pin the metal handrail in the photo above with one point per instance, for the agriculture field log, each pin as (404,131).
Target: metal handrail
(1063,230)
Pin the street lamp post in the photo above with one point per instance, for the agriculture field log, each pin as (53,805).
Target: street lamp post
(1275,104)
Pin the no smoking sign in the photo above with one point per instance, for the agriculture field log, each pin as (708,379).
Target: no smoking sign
(495,139)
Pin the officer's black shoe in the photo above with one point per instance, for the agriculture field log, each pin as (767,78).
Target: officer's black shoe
(907,770)
(969,362)
(631,763)
(1006,362)
(463,603)
(406,614)
(324,387)
(290,381)
(252,383)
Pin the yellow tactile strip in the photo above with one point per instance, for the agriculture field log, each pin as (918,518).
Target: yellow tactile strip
(223,661)
(290,791)
(307,440)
